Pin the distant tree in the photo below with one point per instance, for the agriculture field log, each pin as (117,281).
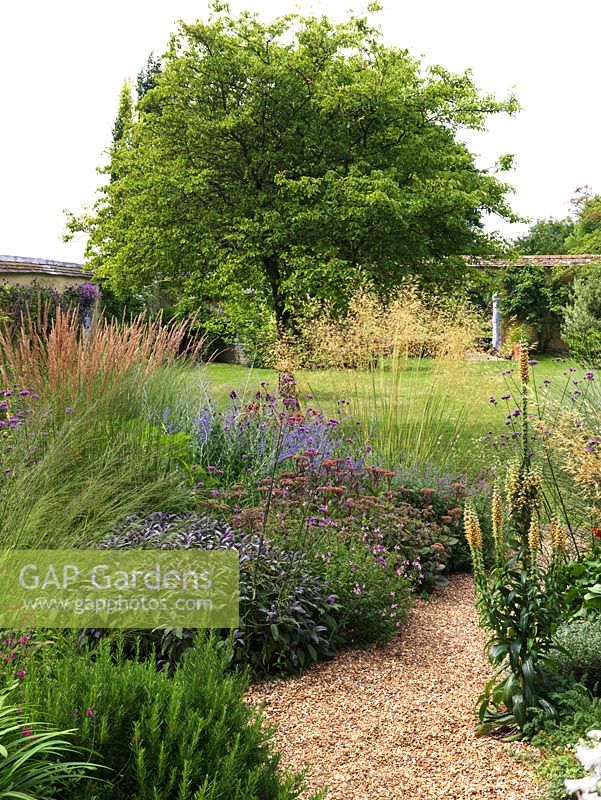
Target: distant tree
(545,237)
(147,77)
(125,113)
(122,126)
(582,325)
(277,165)
(586,237)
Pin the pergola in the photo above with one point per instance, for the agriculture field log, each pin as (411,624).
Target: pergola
(548,262)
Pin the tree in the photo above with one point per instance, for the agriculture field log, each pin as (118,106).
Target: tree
(545,237)
(125,113)
(582,325)
(277,165)
(147,76)
(586,237)
(122,126)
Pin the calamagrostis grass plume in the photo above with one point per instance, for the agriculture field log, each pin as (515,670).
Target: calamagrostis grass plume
(60,357)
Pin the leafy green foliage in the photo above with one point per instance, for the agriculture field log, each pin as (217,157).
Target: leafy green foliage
(147,76)
(189,736)
(582,325)
(546,237)
(587,229)
(274,164)
(519,599)
(578,713)
(371,594)
(579,578)
(36,762)
(536,295)
(286,618)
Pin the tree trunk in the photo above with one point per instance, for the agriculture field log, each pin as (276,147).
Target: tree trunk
(282,314)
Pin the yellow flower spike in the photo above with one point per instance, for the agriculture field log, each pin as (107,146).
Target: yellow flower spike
(558,536)
(497,517)
(523,362)
(534,536)
(467,525)
(473,532)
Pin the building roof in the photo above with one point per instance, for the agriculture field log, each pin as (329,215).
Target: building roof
(539,261)
(42,266)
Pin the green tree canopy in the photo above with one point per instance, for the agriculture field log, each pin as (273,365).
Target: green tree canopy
(586,237)
(274,165)
(147,76)
(545,237)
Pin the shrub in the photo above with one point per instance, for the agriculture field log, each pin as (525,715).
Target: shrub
(189,736)
(582,325)
(578,713)
(368,586)
(35,760)
(580,655)
(286,619)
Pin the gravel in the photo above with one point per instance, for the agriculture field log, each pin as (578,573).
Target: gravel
(397,721)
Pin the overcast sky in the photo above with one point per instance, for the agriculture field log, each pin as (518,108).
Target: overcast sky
(62,64)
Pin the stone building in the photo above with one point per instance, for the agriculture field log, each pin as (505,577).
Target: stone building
(567,263)
(58,275)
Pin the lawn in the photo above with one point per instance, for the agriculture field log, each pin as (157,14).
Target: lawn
(431,411)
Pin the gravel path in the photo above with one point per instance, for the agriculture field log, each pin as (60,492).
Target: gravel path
(397,721)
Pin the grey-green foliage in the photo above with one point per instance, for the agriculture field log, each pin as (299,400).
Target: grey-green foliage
(581,641)
(582,318)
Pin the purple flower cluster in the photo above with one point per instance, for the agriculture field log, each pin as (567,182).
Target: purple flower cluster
(264,432)
(14,654)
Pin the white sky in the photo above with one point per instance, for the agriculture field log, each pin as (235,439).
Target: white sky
(62,64)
